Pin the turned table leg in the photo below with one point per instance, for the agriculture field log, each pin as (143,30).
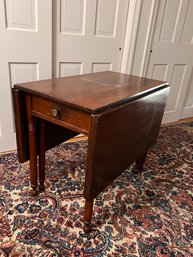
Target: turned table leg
(88,209)
(42,149)
(32,146)
(140,162)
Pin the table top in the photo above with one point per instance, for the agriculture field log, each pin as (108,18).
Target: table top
(93,92)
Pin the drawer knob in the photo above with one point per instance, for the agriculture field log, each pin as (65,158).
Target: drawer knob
(55,112)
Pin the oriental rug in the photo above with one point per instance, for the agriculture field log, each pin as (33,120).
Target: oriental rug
(145,214)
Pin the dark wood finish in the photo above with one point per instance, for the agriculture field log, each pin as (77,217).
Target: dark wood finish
(119,137)
(93,92)
(57,113)
(21,125)
(42,150)
(32,145)
(120,113)
(55,134)
(88,209)
(140,162)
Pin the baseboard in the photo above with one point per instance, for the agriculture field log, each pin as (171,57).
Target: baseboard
(187,112)
(170,117)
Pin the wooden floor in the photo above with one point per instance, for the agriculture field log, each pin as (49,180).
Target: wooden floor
(180,121)
(185,120)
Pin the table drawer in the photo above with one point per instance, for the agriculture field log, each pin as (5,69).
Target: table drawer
(60,114)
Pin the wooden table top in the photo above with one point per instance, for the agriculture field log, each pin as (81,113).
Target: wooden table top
(93,92)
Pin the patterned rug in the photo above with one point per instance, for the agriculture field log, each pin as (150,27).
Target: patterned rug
(145,214)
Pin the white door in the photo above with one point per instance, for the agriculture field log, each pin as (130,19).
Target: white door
(25,54)
(171,58)
(88,35)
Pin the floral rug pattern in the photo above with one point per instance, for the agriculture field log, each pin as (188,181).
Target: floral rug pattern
(139,214)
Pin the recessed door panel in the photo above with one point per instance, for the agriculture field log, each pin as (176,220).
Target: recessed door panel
(189,94)
(160,71)
(21,14)
(23,72)
(106,18)
(72,14)
(187,32)
(98,67)
(169,20)
(177,80)
(70,68)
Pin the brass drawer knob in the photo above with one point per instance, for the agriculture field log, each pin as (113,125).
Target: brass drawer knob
(55,112)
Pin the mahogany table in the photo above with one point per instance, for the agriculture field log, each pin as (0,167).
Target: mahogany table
(121,114)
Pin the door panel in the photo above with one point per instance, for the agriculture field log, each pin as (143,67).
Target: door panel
(187,110)
(21,15)
(187,32)
(169,22)
(172,50)
(71,18)
(189,93)
(23,72)
(98,67)
(25,50)
(69,68)
(90,37)
(159,71)
(106,24)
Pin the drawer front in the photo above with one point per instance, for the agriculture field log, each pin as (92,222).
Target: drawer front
(60,114)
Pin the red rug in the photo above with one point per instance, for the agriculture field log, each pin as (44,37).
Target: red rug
(147,214)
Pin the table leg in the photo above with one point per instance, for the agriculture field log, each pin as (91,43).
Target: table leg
(140,162)
(32,146)
(42,149)
(88,209)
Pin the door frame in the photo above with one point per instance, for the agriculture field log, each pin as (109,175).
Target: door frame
(130,35)
(149,37)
